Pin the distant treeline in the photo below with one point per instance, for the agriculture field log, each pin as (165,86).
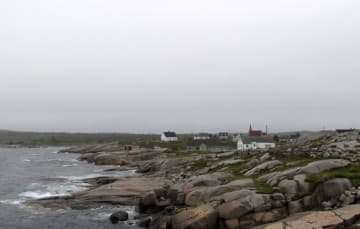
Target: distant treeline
(68,139)
(35,139)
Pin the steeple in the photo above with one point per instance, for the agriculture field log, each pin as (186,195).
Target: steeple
(250,129)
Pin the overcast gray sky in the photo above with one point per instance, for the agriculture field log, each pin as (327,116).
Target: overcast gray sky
(203,65)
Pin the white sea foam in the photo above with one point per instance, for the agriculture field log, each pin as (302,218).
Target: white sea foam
(103,215)
(83,177)
(43,190)
(100,174)
(27,160)
(58,160)
(11,202)
(35,194)
(70,165)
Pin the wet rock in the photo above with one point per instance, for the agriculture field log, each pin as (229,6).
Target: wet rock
(158,222)
(144,222)
(110,159)
(119,216)
(152,203)
(97,181)
(89,157)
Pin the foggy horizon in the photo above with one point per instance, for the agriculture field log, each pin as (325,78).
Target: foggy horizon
(204,66)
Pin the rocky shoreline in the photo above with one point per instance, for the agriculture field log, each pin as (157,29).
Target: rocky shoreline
(293,186)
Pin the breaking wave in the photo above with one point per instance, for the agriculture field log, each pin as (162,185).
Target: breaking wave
(43,190)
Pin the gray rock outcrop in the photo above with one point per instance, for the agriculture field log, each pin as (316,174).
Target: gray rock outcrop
(262,167)
(313,167)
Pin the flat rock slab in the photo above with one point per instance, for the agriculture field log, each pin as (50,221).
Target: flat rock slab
(128,187)
(318,219)
(349,213)
(124,191)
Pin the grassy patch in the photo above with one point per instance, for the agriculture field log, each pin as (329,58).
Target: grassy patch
(236,177)
(171,153)
(262,187)
(301,162)
(199,164)
(234,169)
(351,172)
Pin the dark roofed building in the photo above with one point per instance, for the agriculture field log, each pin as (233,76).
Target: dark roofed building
(255,133)
(341,131)
(253,142)
(169,136)
(289,137)
(249,139)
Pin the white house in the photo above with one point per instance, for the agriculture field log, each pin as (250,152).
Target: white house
(202,136)
(251,143)
(169,136)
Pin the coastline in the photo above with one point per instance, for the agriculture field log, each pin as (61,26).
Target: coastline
(221,190)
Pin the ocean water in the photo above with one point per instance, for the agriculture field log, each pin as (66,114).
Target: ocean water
(42,172)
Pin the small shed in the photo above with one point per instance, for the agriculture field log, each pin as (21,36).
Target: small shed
(128,148)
